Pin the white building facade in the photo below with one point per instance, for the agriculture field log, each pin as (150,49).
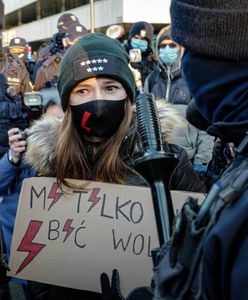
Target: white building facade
(36,20)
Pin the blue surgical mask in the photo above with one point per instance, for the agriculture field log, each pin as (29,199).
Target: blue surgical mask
(168,55)
(140,44)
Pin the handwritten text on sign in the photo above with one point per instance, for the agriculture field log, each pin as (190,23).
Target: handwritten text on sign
(70,238)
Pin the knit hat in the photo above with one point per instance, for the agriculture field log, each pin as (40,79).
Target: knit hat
(143,29)
(94,55)
(165,33)
(213,28)
(65,21)
(17,42)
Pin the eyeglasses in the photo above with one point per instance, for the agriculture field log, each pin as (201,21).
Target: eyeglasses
(171,45)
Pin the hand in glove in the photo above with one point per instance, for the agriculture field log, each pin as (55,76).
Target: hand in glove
(199,168)
(111,292)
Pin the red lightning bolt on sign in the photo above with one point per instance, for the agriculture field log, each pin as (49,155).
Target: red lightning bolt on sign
(93,198)
(27,245)
(54,195)
(85,118)
(68,228)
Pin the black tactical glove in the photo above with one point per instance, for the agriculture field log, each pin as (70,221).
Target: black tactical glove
(111,292)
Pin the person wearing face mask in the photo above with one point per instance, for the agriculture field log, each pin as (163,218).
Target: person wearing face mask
(13,66)
(18,48)
(95,137)
(138,46)
(167,83)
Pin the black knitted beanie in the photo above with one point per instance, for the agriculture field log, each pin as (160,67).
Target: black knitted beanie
(212,27)
(94,55)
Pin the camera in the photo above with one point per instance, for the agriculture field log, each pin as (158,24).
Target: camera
(55,46)
(135,55)
(33,102)
(23,134)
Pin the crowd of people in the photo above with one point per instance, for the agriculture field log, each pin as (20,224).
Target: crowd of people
(195,74)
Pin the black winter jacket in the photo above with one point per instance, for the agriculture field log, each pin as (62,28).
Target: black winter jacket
(157,83)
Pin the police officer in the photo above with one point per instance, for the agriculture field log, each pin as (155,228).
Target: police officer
(14,82)
(18,49)
(48,73)
(47,68)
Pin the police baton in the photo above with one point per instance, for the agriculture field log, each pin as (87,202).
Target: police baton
(155,165)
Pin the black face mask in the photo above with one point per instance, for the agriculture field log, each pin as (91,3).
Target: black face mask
(99,117)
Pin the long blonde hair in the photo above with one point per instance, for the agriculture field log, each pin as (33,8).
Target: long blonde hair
(79,159)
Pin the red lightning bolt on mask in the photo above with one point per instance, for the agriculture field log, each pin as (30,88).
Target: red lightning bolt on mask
(68,228)
(54,195)
(85,118)
(27,245)
(93,198)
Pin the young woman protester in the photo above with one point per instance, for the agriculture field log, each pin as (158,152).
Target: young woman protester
(93,142)
(97,138)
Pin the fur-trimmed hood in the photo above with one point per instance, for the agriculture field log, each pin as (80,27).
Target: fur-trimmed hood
(41,143)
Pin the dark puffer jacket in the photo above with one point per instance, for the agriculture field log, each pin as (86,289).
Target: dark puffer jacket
(166,81)
(157,84)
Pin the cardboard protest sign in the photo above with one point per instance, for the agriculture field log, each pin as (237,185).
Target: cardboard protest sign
(70,237)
